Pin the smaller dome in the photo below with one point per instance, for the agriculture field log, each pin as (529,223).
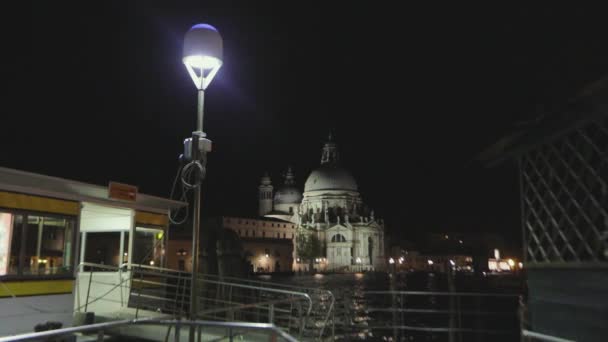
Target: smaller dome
(288,195)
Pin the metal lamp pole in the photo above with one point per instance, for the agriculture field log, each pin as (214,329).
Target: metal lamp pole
(202,56)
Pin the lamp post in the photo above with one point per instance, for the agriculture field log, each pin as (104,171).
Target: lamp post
(202,56)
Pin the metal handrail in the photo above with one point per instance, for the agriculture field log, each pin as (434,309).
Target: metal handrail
(329,313)
(102,327)
(107,267)
(148,292)
(90,264)
(543,337)
(431,293)
(251,287)
(126,265)
(447,305)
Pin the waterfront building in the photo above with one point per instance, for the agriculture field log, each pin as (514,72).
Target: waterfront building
(335,230)
(267,242)
(52,232)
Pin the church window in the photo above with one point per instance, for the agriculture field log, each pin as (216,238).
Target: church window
(291,210)
(263,234)
(283,235)
(253,233)
(338,238)
(278,235)
(263,224)
(273,224)
(240,221)
(246,233)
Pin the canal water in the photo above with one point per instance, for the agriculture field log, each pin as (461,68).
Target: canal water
(363,314)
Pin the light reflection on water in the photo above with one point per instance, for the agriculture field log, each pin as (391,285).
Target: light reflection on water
(353,316)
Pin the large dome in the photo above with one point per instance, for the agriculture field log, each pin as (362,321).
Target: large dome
(288,195)
(330,177)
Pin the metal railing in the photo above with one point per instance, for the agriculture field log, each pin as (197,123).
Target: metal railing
(319,324)
(239,301)
(109,284)
(166,291)
(419,315)
(204,330)
(527,335)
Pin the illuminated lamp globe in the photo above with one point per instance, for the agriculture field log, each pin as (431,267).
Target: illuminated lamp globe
(203,53)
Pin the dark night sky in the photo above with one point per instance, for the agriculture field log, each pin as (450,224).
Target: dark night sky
(98,93)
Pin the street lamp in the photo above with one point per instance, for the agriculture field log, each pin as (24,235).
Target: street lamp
(202,56)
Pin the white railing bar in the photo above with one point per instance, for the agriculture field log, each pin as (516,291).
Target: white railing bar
(544,337)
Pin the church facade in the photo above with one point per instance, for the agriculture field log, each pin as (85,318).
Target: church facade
(335,230)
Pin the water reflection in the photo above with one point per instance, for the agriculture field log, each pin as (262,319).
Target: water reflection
(361,315)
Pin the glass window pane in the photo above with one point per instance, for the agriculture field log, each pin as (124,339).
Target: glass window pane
(48,247)
(103,248)
(11,231)
(148,246)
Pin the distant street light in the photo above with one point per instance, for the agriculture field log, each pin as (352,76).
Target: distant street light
(202,56)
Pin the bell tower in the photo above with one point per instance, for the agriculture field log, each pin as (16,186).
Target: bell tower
(265,192)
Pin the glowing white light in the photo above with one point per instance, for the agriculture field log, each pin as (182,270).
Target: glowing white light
(152,263)
(266,255)
(496,254)
(298,260)
(204,62)
(460,241)
(452,263)
(358,260)
(430,261)
(125,253)
(521,265)
(400,261)
(511,262)
(391,261)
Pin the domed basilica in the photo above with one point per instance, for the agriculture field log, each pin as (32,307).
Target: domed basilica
(336,231)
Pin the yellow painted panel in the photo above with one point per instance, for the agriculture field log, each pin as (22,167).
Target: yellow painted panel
(143,217)
(37,203)
(35,287)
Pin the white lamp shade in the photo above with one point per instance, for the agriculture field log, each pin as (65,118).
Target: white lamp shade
(203,47)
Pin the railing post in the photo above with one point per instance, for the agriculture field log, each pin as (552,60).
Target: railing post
(141,282)
(230,338)
(301,319)
(333,323)
(86,303)
(478,320)
(100,336)
(120,284)
(459,308)
(177,330)
(271,313)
